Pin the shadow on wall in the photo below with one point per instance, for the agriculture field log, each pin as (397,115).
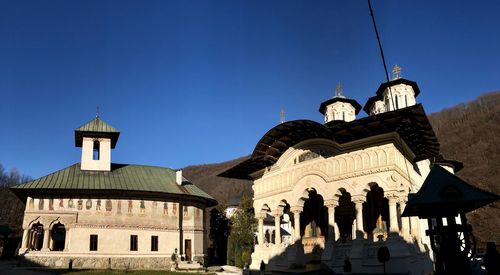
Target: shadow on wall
(358,256)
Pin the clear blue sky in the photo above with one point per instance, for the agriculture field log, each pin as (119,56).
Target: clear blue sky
(193,82)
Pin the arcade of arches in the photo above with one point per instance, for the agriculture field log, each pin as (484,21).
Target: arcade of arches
(45,236)
(319,216)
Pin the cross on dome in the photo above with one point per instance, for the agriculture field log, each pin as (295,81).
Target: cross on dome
(396,72)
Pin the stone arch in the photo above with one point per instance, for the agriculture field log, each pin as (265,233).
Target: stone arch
(36,235)
(336,167)
(58,235)
(366,160)
(373,159)
(343,165)
(358,162)
(363,189)
(382,157)
(350,164)
(264,209)
(311,180)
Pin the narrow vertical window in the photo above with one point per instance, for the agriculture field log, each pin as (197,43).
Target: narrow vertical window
(343,115)
(133,242)
(397,101)
(154,243)
(93,243)
(95,155)
(406,100)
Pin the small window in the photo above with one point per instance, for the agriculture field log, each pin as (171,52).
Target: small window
(406,100)
(397,101)
(93,243)
(154,243)
(133,242)
(343,115)
(95,155)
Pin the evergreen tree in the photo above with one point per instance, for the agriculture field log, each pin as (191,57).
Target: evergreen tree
(243,228)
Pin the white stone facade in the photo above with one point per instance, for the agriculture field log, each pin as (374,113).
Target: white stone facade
(113,221)
(349,168)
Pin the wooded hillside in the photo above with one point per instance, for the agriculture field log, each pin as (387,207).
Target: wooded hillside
(470,133)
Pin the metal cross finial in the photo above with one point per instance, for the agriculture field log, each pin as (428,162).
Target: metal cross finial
(282,115)
(338,90)
(396,72)
(97,112)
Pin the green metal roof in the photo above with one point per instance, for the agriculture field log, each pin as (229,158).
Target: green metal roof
(96,128)
(97,125)
(123,180)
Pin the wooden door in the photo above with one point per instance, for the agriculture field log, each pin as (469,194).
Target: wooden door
(187,246)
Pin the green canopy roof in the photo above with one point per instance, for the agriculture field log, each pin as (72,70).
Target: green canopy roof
(124,180)
(443,194)
(96,128)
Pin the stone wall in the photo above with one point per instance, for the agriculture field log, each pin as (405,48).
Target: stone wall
(145,263)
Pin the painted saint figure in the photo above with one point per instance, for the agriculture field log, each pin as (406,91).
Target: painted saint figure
(109,205)
(70,203)
(143,207)
(165,208)
(61,203)
(88,204)
(51,204)
(40,204)
(80,204)
(130,205)
(98,205)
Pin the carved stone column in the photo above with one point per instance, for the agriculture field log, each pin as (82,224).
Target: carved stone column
(296,210)
(260,218)
(415,227)
(393,214)
(46,237)
(277,227)
(358,201)
(24,245)
(405,222)
(67,240)
(333,231)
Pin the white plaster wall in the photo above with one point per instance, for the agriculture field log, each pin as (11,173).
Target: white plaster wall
(104,162)
(116,241)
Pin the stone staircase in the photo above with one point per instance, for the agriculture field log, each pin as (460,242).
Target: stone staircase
(185,266)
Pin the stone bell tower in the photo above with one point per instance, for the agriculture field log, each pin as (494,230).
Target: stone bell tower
(339,108)
(96,138)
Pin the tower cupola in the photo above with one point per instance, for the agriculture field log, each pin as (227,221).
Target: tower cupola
(339,108)
(393,95)
(96,138)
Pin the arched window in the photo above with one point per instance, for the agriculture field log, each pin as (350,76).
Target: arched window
(397,101)
(36,237)
(96,155)
(58,233)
